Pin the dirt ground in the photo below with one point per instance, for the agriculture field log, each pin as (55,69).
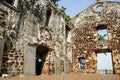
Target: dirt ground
(70,76)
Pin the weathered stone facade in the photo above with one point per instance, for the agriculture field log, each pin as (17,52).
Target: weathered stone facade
(85,36)
(35,37)
(33,26)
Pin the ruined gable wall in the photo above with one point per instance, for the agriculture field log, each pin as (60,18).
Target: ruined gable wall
(91,14)
(85,37)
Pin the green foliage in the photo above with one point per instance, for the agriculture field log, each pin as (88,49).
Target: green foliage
(63,11)
(100,37)
(67,17)
(55,2)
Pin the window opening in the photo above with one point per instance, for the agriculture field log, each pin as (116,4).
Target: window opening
(9,1)
(82,62)
(102,32)
(67,31)
(48,14)
(99,8)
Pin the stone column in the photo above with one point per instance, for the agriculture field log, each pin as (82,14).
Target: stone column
(1,52)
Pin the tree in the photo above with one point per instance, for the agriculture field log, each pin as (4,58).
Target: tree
(55,2)
(63,11)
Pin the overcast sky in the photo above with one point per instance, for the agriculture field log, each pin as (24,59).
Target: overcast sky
(76,6)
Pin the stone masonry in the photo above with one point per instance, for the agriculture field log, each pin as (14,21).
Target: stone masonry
(85,36)
(36,38)
(33,23)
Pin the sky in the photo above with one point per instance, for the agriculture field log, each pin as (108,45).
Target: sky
(76,6)
(103,59)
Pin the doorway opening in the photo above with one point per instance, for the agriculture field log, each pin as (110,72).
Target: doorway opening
(105,63)
(41,53)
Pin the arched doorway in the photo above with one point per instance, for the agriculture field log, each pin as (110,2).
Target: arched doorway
(41,53)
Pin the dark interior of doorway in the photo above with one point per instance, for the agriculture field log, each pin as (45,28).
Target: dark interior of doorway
(41,54)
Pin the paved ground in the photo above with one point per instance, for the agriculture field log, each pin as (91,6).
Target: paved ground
(70,76)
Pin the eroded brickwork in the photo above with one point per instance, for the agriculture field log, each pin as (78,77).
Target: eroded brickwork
(85,36)
(33,23)
(31,27)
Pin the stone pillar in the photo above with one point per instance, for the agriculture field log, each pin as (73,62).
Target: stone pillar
(29,60)
(1,52)
(66,66)
(57,65)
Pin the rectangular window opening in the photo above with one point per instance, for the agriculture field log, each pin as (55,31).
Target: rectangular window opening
(67,33)
(102,32)
(82,62)
(12,4)
(9,1)
(67,30)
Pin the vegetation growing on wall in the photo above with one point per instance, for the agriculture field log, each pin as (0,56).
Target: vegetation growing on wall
(55,2)
(100,37)
(63,11)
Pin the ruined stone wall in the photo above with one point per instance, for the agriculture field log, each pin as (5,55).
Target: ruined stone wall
(8,24)
(85,37)
(36,23)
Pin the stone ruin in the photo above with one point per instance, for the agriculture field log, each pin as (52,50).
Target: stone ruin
(33,38)
(86,38)
(36,38)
